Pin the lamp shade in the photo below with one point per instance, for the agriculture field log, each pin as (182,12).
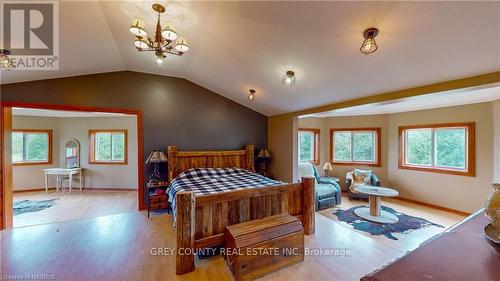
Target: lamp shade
(369,46)
(264,153)
(156,156)
(168,32)
(327,167)
(138,28)
(181,45)
(141,44)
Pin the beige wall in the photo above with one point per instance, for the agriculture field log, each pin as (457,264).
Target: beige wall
(282,141)
(496,140)
(96,176)
(103,176)
(31,177)
(457,192)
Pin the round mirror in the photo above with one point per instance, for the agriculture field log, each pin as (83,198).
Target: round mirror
(72,153)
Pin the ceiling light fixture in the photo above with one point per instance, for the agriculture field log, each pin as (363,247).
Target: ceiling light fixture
(252,95)
(288,78)
(165,41)
(369,45)
(5,62)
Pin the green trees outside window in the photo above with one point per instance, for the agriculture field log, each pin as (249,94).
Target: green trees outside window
(31,146)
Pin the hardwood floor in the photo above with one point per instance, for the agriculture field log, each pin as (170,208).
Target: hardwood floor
(118,247)
(77,205)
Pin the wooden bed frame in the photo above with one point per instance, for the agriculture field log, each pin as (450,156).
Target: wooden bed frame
(201,219)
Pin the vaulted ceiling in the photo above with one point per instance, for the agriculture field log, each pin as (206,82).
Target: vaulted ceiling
(236,46)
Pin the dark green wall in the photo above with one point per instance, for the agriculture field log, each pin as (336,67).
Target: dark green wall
(175,111)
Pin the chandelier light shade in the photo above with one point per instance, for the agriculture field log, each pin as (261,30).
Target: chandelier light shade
(252,95)
(141,43)
(369,44)
(169,32)
(5,62)
(138,28)
(288,78)
(166,41)
(181,45)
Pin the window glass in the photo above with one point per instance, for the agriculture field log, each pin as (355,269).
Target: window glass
(118,146)
(440,148)
(306,145)
(17,147)
(342,141)
(30,147)
(108,146)
(419,147)
(363,144)
(450,148)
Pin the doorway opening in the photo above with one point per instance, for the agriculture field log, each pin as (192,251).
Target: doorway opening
(69,163)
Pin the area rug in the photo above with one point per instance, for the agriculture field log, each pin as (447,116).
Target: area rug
(30,206)
(405,224)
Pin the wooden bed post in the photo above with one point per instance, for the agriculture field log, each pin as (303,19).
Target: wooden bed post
(249,149)
(172,162)
(308,202)
(185,225)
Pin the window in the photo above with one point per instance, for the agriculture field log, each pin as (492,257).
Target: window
(32,147)
(355,146)
(443,148)
(309,145)
(108,147)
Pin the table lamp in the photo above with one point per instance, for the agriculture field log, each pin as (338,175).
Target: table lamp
(156,156)
(327,167)
(264,153)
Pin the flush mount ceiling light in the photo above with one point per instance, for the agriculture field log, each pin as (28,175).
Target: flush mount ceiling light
(165,41)
(369,45)
(5,62)
(252,95)
(288,78)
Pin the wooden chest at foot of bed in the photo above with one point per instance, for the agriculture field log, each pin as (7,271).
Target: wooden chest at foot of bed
(259,247)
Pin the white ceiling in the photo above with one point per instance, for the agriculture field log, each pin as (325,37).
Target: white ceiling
(16,111)
(240,45)
(437,100)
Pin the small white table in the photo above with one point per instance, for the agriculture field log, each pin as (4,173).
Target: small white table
(374,212)
(60,173)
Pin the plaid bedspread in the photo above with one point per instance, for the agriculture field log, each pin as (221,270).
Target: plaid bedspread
(204,181)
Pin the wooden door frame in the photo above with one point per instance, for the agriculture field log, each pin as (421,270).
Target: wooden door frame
(6,211)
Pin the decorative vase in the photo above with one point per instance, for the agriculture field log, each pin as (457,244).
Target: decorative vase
(492,207)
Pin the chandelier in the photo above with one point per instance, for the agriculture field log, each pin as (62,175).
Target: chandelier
(165,40)
(5,62)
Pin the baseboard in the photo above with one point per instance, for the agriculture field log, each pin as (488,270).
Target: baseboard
(106,189)
(453,211)
(75,189)
(32,190)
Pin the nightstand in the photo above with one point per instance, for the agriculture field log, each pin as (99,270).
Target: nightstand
(156,201)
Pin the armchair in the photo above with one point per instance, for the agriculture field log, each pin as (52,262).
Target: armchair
(328,192)
(350,184)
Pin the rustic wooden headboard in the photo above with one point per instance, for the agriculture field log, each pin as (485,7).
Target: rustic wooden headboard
(180,161)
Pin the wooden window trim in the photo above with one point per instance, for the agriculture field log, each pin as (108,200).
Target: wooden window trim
(378,153)
(49,153)
(470,149)
(316,132)
(92,160)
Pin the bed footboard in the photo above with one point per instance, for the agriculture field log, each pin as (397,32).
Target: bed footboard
(201,219)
